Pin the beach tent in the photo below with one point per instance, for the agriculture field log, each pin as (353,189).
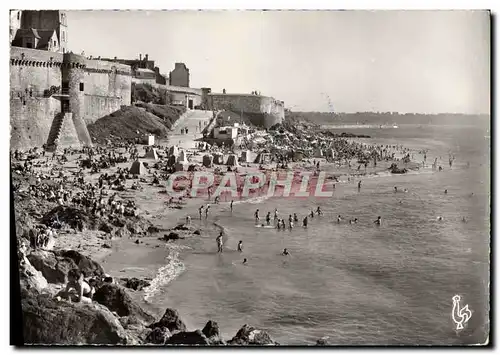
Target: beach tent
(182,159)
(330,153)
(171,160)
(151,154)
(263,158)
(318,153)
(232,160)
(137,168)
(208,160)
(246,156)
(180,167)
(173,150)
(218,158)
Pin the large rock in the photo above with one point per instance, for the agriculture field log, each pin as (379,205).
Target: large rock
(212,332)
(48,321)
(31,278)
(135,283)
(158,336)
(248,335)
(117,300)
(55,265)
(188,338)
(171,321)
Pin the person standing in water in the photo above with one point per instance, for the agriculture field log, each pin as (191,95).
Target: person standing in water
(359,185)
(276,214)
(295,218)
(268,218)
(290,222)
(207,209)
(304,222)
(339,219)
(219,243)
(200,211)
(285,252)
(245,261)
(231,205)
(240,246)
(257,217)
(378,221)
(318,211)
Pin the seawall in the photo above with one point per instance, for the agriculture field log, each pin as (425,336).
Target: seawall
(263,111)
(45,85)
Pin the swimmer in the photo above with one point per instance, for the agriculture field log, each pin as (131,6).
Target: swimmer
(256,214)
(240,246)
(440,218)
(378,221)
(339,219)
(395,189)
(245,261)
(304,222)
(279,224)
(188,220)
(318,211)
(446,191)
(311,214)
(285,252)
(464,220)
(405,190)
(295,218)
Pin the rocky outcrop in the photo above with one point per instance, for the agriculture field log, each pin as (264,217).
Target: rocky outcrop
(171,321)
(158,336)
(212,332)
(135,283)
(48,321)
(248,335)
(54,265)
(188,338)
(31,278)
(117,300)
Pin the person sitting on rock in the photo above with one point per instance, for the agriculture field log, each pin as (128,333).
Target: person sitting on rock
(84,292)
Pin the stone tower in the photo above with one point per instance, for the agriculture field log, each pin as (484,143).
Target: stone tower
(73,71)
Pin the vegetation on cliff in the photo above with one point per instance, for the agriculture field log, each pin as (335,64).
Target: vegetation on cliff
(148,93)
(133,122)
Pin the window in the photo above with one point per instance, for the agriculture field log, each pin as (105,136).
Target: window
(62,36)
(65,85)
(29,45)
(81,86)
(18,15)
(55,43)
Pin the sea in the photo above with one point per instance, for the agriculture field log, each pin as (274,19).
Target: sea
(358,284)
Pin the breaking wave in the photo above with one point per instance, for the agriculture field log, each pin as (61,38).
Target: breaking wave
(167,273)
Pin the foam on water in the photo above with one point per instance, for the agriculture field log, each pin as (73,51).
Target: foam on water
(167,273)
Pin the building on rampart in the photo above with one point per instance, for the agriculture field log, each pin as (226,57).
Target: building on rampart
(35,29)
(262,111)
(179,76)
(143,70)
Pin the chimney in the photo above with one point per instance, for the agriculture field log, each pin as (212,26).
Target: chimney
(140,56)
(146,57)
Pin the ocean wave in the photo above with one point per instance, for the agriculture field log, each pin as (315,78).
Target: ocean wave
(167,273)
(253,200)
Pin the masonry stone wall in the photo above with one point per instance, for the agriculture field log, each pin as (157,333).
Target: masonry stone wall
(106,87)
(262,110)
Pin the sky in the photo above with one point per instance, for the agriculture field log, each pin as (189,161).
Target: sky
(342,61)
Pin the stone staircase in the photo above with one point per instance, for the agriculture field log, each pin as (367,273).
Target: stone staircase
(55,132)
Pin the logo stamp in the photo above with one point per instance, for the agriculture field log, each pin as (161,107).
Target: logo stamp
(459,315)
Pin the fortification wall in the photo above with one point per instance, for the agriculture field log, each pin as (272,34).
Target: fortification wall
(30,123)
(262,110)
(107,86)
(94,89)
